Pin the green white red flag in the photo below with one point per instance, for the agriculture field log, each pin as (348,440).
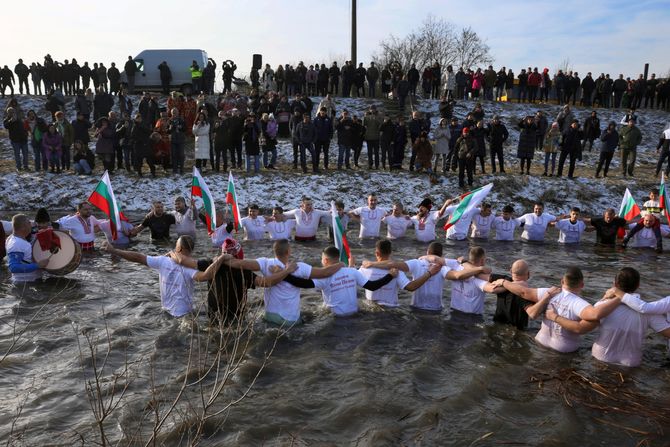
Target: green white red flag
(231,200)
(628,209)
(339,236)
(469,200)
(200,189)
(664,198)
(103,198)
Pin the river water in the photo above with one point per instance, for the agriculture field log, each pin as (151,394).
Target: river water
(383,377)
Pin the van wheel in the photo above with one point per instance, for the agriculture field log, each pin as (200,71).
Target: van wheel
(187,89)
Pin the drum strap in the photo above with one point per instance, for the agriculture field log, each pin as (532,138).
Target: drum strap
(87,246)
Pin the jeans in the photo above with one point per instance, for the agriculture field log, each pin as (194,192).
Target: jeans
(65,157)
(37,154)
(271,155)
(605,158)
(344,154)
(304,148)
(319,147)
(20,149)
(256,160)
(81,167)
(373,153)
(177,156)
(547,157)
(371,88)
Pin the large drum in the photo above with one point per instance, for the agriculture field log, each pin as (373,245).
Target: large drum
(63,260)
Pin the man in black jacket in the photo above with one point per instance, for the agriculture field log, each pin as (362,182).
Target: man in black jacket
(130,69)
(22,71)
(497,134)
(570,147)
(588,85)
(334,74)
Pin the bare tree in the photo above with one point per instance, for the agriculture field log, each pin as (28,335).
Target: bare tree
(435,41)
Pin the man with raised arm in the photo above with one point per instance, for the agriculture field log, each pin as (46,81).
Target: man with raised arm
(306,219)
(607,227)
(429,295)
(567,305)
(282,301)
(622,333)
(571,228)
(370,217)
(397,222)
(425,220)
(387,296)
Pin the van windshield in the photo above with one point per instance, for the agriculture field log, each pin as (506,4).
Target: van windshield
(140,64)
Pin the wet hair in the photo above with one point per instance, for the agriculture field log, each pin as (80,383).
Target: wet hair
(384,246)
(575,209)
(253,206)
(186,242)
(476,254)
(305,199)
(280,247)
(332,253)
(610,211)
(539,203)
(435,248)
(339,204)
(81,205)
(180,199)
(573,276)
(508,209)
(485,205)
(654,191)
(627,279)
(278,209)
(42,216)
(20,221)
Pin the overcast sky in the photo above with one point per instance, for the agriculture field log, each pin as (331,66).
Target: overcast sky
(595,35)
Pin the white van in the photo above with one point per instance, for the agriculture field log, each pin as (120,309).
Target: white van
(148,76)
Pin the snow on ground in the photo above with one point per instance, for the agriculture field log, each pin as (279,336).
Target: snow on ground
(26,191)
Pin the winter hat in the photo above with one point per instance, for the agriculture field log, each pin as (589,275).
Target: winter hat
(42,216)
(427,203)
(466,130)
(232,247)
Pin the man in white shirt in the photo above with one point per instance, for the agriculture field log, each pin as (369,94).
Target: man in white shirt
(397,222)
(426,220)
(535,223)
(370,218)
(307,220)
(468,294)
(81,226)
(505,224)
(339,291)
(482,222)
(282,301)
(122,237)
(647,233)
(570,229)
(428,297)
(387,295)
(566,305)
(20,252)
(176,281)
(622,333)
(253,224)
(459,231)
(184,217)
(278,226)
(344,219)
(223,231)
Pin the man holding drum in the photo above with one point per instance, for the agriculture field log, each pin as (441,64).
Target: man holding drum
(20,252)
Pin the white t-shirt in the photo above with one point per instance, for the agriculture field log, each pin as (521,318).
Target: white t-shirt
(371,220)
(567,305)
(184,223)
(634,301)
(73,224)
(340,290)
(15,244)
(306,223)
(535,226)
(7,226)
(481,226)
(570,233)
(176,285)
(459,231)
(425,228)
(280,230)
(254,229)
(396,227)
(121,238)
(388,295)
(467,295)
(504,228)
(429,295)
(220,235)
(283,298)
(622,333)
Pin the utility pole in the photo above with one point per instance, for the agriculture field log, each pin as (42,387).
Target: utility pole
(353,33)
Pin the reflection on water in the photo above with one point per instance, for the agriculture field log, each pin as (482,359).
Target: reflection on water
(383,377)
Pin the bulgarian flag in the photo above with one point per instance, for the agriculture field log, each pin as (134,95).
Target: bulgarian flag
(469,200)
(664,198)
(199,189)
(628,210)
(338,235)
(103,198)
(231,200)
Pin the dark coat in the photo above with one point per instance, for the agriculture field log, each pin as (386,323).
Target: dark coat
(527,137)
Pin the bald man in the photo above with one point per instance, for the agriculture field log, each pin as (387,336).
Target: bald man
(512,309)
